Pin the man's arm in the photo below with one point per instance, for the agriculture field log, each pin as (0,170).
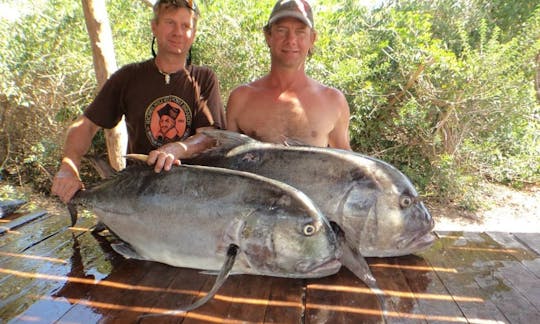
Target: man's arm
(78,140)
(339,137)
(164,157)
(236,98)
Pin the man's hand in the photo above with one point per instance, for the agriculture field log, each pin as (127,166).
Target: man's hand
(166,156)
(66,183)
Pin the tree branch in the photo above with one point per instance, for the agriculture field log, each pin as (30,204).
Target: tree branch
(410,83)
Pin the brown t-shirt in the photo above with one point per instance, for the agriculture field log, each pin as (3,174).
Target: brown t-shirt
(158,113)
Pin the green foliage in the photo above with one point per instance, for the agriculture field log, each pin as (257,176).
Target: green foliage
(230,41)
(441,89)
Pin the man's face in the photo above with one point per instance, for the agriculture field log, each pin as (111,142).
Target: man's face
(174,30)
(166,123)
(290,41)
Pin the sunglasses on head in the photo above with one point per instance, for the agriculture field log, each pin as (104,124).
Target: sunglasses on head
(188,3)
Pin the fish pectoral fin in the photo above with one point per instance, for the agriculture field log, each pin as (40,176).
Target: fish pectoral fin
(358,265)
(216,273)
(220,280)
(125,250)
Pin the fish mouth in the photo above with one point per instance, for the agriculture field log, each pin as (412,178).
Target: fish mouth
(327,268)
(418,242)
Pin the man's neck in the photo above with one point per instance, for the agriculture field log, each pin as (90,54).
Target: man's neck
(288,79)
(170,64)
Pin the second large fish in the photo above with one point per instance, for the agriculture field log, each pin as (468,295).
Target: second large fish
(373,203)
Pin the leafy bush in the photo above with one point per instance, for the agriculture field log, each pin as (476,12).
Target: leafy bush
(441,89)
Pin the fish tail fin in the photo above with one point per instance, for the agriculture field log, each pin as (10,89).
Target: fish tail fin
(72,208)
(220,280)
(101,165)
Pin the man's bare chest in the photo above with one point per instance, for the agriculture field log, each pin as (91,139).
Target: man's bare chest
(274,123)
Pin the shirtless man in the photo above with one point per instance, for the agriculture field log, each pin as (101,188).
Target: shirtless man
(286,103)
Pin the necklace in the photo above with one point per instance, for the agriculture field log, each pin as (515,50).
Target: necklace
(166,75)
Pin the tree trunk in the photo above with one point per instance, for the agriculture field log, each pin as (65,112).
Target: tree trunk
(99,30)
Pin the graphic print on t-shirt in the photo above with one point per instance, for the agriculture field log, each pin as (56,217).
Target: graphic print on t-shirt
(167,119)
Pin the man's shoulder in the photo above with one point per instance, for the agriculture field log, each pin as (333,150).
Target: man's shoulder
(136,65)
(326,91)
(201,70)
(250,87)
(128,70)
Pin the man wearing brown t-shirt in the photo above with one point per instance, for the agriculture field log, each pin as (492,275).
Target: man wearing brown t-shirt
(147,93)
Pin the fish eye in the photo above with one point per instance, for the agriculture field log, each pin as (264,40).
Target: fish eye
(405,201)
(309,230)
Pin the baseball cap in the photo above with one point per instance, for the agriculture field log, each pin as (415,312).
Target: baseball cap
(299,9)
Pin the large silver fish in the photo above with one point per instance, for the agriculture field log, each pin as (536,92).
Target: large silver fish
(374,204)
(191,215)
(231,203)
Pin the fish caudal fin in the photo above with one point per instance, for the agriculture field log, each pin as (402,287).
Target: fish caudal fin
(72,208)
(220,280)
(102,166)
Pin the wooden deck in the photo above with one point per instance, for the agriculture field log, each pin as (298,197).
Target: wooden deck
(74,277)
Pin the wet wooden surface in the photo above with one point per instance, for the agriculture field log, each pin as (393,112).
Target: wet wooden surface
(50,273)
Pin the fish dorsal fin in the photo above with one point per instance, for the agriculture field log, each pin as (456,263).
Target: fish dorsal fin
(138,159)
(106,171)
(226,138)
(220,280)
(294,142)
(226,141)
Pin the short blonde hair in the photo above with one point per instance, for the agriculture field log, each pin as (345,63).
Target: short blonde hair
(162,5)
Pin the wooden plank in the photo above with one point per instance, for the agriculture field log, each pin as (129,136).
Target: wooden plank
(489,269)
(521,252)
(399,300)
(56,247)
(341,298)
(19,221)
(525,283)
(226,306)
(531,240)
(453,258)
(17,240)
(285,301)
(249,297)
(433,302)
(108,295)
(48,269)
(133,303)
(470,277)
(42,310)
(520,271)
(182,290)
